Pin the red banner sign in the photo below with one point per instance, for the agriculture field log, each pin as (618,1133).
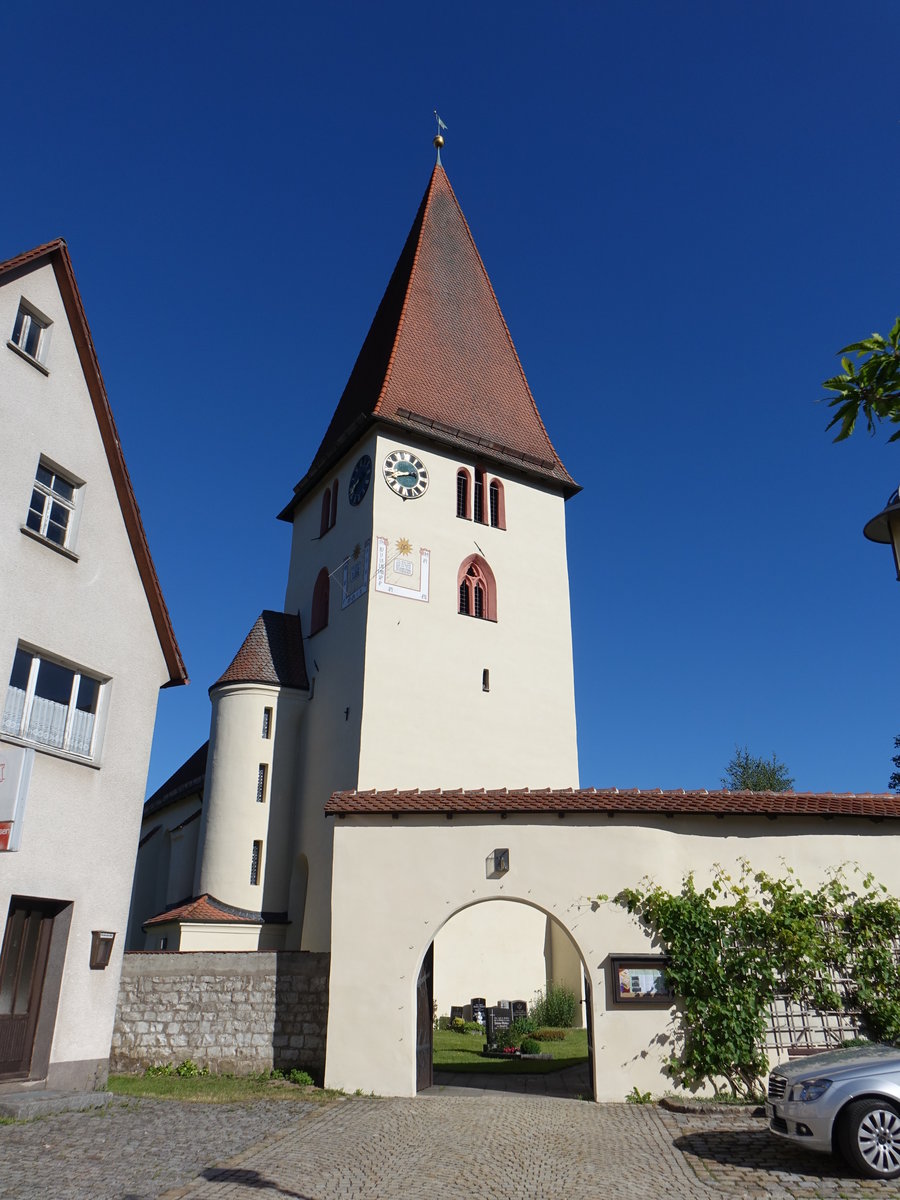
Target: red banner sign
(5,834)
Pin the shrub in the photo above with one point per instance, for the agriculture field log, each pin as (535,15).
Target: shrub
(549,1035)
(458,1025)
(474,1027)
(301,1078)
(443,1023)
(530,1046)
(557,1006)
(514,1034)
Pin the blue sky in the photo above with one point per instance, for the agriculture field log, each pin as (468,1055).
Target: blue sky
(684,210)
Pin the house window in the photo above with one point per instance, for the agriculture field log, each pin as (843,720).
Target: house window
(31,332)
(477,589)
(485,680)
(462,494)
(51,705)
(261,783)
(496,504)
(51,514)
(319,617)
(255,857)
(267,723)
(479,495)
(334,496)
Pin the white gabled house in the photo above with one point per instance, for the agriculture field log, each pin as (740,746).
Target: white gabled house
(85,645)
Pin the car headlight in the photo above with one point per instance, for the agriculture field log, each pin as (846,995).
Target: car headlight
(811,1089)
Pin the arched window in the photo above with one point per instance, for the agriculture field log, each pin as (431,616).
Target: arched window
(477,589)
(496,504)
(319,617)
(334,496)
(462,494)
(479,495)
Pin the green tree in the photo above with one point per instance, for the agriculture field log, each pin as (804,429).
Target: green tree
(747,773)
(894,783)
(871,385)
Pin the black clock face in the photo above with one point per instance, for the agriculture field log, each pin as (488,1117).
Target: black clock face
(405,474)
(360,479)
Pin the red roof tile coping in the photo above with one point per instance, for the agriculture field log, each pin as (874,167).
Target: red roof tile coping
(206,908)
(57,255)
(439,359)
(272,652)
(612,800)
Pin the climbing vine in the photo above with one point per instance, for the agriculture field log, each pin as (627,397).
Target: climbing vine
(737,943)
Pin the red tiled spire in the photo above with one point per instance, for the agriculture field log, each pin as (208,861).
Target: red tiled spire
(272,652)
(438,358)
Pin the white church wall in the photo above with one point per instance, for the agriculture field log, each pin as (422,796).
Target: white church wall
(328,750)
(429,722)
(232,819)
(398,883)
(493,950)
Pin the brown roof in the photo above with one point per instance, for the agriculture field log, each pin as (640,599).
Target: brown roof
(272,653)
(184,782)
(57,254)
(611,800)
(438,358)
(207,908)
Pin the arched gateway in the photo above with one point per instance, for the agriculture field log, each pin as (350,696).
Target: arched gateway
(406,862)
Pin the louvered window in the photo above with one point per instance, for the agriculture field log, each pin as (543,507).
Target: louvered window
(261,784)
(255,857)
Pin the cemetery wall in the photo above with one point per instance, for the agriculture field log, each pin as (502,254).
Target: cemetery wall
(226,1010)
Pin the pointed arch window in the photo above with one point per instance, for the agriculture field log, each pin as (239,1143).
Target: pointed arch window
(319,617)
(463,493)
(496,504)
(477,589)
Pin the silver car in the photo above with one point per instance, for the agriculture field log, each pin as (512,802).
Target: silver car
(843,1100)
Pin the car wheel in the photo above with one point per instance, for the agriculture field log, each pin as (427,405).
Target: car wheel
(869,1138)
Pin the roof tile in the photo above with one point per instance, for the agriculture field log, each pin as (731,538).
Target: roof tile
(612,800)
(439,359)
(272,653)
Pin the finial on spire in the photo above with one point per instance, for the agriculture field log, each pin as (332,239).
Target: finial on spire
(439,139)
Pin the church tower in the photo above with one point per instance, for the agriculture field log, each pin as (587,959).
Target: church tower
(425,639)
(428,561)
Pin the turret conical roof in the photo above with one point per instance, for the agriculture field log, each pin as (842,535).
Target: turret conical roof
(438,358)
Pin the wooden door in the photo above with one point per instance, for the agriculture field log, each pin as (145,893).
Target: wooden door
(589,1025)
(23,962)
(425,1023)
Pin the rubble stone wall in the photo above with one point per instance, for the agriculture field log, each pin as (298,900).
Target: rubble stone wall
(227,1010)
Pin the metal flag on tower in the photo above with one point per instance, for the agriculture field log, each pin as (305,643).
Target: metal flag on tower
(439,140)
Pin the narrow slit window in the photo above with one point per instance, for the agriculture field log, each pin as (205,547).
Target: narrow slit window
(267,723)
(479,495)
(485,680)
(255,857)
(261,783)
(496,504)
(462,493)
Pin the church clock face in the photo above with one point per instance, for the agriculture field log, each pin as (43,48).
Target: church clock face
(405,474)
(360,480)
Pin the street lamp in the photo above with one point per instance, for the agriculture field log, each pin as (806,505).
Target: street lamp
(886,526)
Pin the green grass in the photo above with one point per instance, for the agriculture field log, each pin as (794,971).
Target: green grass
(214,1089)
(462,1052)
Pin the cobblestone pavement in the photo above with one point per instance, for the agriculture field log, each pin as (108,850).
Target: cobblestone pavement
(490,1146)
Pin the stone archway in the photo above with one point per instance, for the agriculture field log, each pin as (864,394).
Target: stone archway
(492,943)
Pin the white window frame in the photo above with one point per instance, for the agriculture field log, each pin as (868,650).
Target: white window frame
(22,732)
(31,317)
(50,497)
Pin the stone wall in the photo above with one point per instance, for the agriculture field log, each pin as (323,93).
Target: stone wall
(230,1011)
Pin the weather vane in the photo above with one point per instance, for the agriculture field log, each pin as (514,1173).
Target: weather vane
(439,137)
